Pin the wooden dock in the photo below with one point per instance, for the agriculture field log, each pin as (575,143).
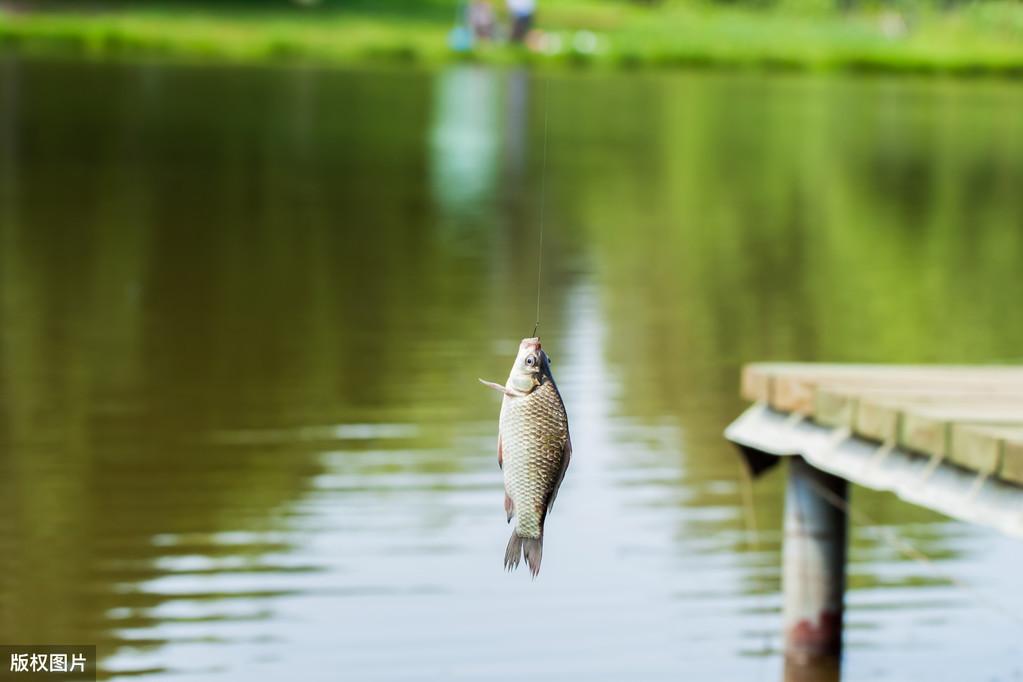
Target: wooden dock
(945,438)
(971,416)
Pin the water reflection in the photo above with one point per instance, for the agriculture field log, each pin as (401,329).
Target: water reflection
(240,434)
(466,139)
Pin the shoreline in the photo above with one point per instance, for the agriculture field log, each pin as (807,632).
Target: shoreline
(337,40)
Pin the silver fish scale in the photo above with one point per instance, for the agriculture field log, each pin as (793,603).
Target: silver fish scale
(534,431)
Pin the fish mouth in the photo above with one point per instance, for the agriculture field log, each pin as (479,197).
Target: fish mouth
(531,344)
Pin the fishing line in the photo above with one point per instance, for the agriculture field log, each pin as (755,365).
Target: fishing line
(543,197)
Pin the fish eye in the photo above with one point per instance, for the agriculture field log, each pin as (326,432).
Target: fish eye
(530,360)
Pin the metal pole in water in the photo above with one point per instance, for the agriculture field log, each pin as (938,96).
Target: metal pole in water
(813,557)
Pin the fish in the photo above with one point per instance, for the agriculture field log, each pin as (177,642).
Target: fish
(534,448)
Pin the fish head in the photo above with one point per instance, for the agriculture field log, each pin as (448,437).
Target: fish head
(531,366)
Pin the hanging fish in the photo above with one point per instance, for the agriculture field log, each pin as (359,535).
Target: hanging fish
(533,450)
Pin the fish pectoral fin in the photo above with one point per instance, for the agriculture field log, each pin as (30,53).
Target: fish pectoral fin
(491,384)
(502,389)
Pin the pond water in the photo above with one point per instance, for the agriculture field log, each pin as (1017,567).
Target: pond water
(242,315)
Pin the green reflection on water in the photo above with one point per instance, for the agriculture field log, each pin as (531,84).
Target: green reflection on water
(194,253)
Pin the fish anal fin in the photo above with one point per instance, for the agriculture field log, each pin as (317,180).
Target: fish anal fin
(509,506)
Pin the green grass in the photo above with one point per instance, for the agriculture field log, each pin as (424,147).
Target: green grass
(971,39)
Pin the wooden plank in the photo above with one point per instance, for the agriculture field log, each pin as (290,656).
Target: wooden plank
(923,427)
(798,394)
(976,448)
(929,430)
(973,416)
(877,421)
(945,424)
(1012,460)
(821,370)
(756,381)
(837,405)
(791,387)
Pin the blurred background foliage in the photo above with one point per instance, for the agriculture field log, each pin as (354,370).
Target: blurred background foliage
(963,37)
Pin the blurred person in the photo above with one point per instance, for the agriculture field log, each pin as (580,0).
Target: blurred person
(522,12)
(480,15)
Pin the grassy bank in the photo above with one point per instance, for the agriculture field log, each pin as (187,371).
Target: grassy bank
(971,39)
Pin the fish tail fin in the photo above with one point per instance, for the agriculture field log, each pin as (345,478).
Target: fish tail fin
(533,549)
(518,546)
(513,554)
